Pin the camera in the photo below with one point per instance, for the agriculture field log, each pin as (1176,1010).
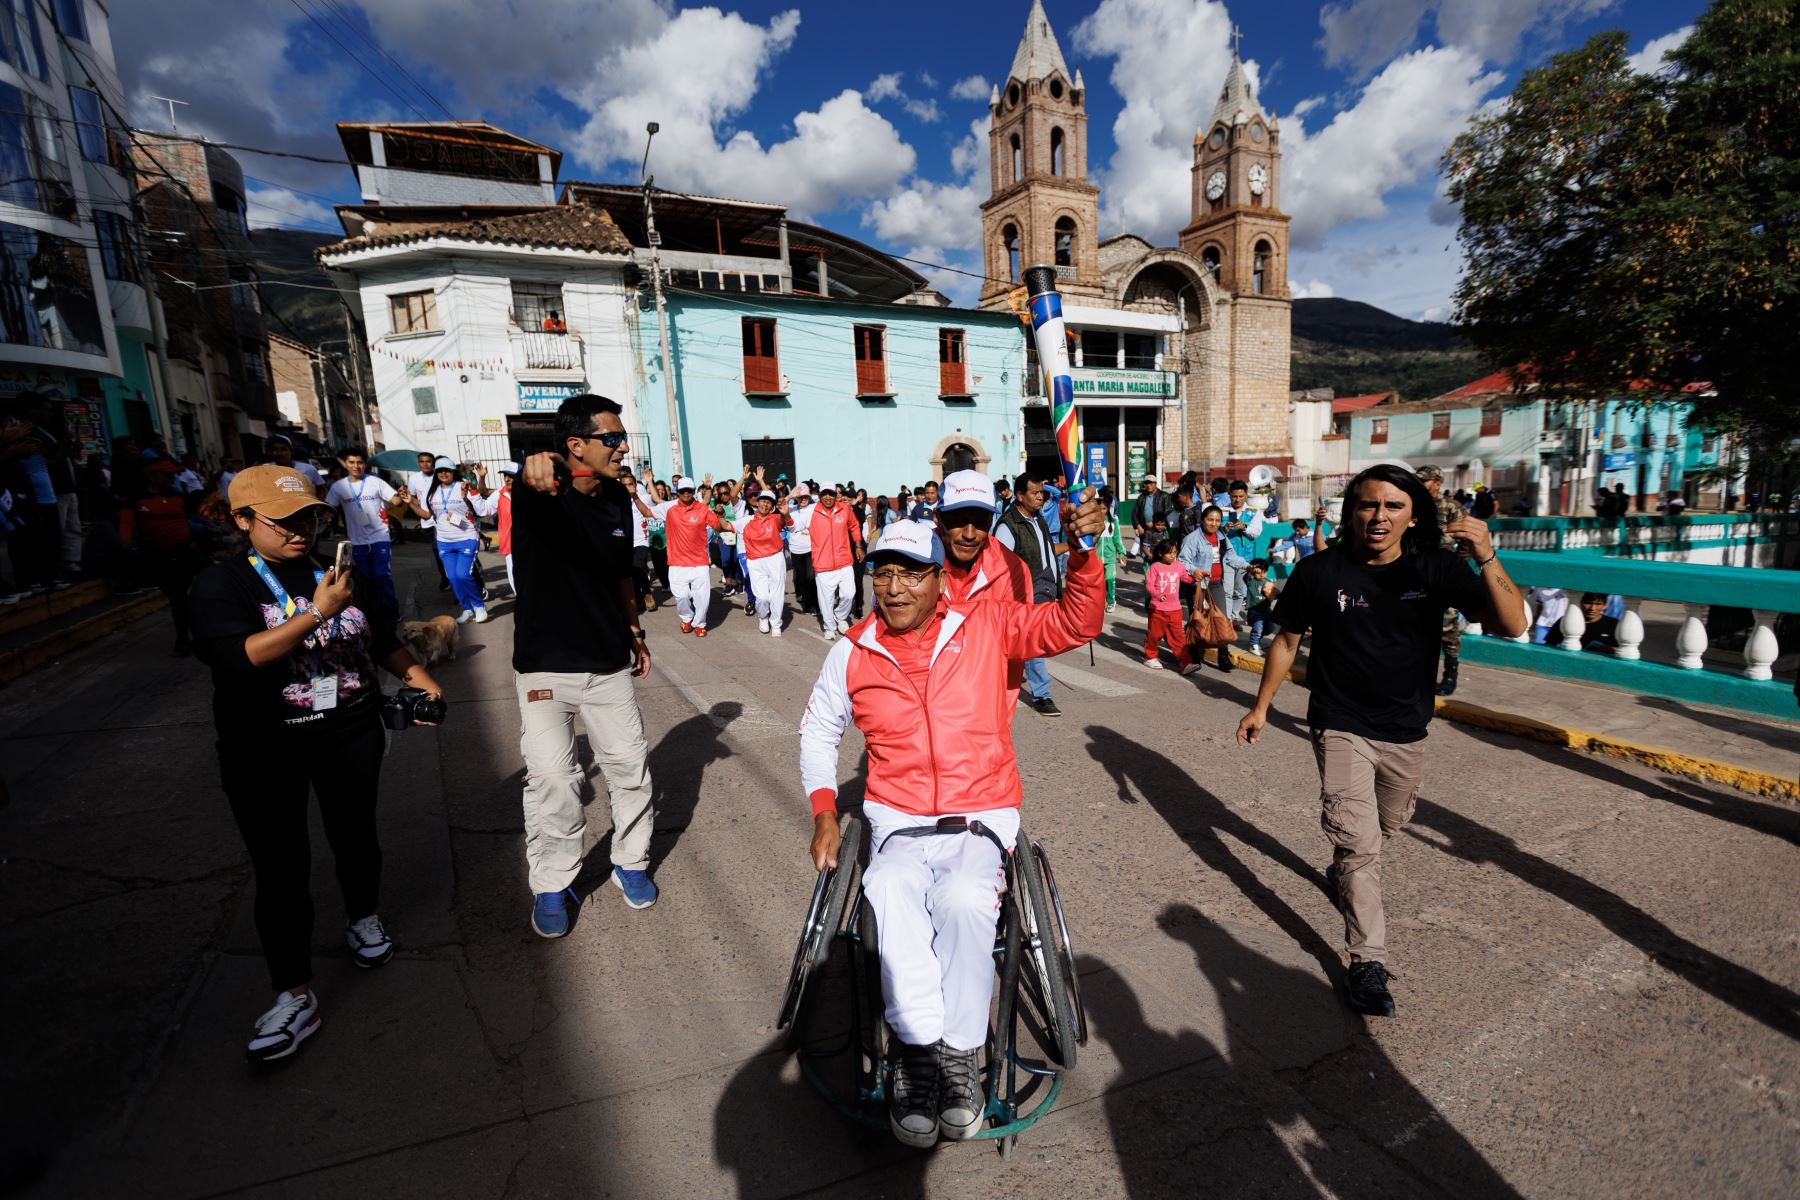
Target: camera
(411,706)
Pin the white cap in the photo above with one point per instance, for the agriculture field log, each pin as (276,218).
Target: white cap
(966,489)
(684,483)
(509,468)
(801,490)
(828,486)
(916,541)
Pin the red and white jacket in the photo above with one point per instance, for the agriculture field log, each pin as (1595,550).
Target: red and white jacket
(997,574)
(833,531)
(762,534)
(684,532)
(949,750)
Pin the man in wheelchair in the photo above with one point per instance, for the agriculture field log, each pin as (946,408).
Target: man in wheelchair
(926,681)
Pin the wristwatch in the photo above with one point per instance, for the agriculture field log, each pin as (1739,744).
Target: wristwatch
(638,634)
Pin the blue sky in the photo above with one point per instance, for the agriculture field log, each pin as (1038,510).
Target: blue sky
(872,118)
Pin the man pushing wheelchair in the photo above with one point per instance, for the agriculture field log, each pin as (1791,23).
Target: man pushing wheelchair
(926,680)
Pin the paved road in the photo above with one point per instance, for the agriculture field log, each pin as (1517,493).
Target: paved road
(1598,966)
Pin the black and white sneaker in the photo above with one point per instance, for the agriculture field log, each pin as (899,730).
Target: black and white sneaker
(370,945)
(960,1101)
(1367,991)
(913,1095)
(280,1031)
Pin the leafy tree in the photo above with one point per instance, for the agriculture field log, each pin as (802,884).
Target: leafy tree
(1621,227)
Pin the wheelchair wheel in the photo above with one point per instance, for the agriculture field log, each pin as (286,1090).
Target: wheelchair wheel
(1048,981)
(824,914)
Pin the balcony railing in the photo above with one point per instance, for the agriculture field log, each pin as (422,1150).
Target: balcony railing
(1729,539)
(543,350)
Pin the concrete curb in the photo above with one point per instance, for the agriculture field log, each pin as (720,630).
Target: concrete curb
(28,658)
(1671,762)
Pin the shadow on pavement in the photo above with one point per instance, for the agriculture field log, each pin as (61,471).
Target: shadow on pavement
(1198,817)
(1740,987)
(1234,1113)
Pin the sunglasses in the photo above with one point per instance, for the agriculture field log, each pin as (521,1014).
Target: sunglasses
(612,439)
(303,524)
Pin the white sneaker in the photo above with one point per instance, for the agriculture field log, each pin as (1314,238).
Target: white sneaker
(280,1031)
(830,635)
(1257,649)
(370,945)
(774,630)
(843,626)
(1112,608)
(1192,668)
(481,614)
(762,626)
(1155,664)
(464,617)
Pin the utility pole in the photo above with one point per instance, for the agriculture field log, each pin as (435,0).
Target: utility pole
(662,319)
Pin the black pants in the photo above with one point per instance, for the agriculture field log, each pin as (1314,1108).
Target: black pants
(856,601)
(659,558)
(173,573)
(806,588)
(640,571)
(268,799)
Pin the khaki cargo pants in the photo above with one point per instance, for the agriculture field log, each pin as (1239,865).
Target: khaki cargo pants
(1367,790)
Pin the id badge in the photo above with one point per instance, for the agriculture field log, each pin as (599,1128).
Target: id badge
(324,693)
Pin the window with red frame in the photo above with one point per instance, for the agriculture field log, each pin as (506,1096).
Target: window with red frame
(762,369)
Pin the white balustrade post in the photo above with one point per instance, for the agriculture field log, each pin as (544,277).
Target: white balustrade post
(1529,615)
(1573,625)
(1690,643)
(1629,635)
(1760,648)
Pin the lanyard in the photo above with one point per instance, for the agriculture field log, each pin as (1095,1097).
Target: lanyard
(287,602)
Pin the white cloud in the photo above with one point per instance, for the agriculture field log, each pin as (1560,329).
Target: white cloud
(1649,60)
(929,80)
(884,87)
(974,87)
(276,207)
(941,222)
(1364,34)
(925,110)
(1316,289)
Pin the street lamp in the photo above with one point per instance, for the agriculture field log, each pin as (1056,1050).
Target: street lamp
(662,320)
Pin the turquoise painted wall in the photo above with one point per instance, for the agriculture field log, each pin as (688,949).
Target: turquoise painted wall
(879,444)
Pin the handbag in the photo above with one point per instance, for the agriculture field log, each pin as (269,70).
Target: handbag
(1212,629)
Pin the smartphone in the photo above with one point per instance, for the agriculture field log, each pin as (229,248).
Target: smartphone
(342,566)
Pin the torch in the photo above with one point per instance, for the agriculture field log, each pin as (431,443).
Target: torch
(1059,383)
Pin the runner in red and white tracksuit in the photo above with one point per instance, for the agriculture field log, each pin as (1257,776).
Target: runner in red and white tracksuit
(928,683)
(976,567)
(690,569)
(763,553)
(836,549)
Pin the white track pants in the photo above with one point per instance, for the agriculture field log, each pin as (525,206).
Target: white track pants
(693,593)
(837,588)
(768,583)
(937,903)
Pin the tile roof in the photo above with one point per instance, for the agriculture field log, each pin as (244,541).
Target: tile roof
(1344,404)
(560,228)
(1500,383)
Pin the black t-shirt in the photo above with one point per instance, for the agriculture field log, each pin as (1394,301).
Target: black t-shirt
(569,553)
(231,602)
(1372,668)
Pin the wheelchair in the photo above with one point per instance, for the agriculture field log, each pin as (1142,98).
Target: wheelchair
(833,1007)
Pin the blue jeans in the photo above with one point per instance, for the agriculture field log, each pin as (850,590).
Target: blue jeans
(376,561)
(459,565)
(1256,628)
(743,570)
(1037,679)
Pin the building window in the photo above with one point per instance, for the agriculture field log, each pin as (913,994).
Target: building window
(1056,152)
(32,173)
(90,124)
(1440,427)
(1018,160)
(1259,268)
(243,289)
(71,19)
(47,293)
(539,307)
(19,40)
(1490,420)
(1099,347)
(413,312)
(762,369)
(423,377)
(113,233)
(231,206)
(771,283)
(1065,242)
(1140,351)
(871,359)
(953,376)
(254,364)
(1210,256)
(1009,236)
(1378,431)
(1708,444)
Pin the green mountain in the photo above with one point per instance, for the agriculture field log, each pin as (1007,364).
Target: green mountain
(285,257)
(1357,348)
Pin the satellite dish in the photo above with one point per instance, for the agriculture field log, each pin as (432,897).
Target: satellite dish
(1261,476)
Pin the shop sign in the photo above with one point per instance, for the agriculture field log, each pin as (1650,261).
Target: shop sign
(547,397)
(493,425)
(1137,460)
(1105,383)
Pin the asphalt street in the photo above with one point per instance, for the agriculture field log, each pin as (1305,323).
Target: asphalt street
(1598,967)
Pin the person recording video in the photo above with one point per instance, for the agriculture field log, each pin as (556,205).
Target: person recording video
(293,647)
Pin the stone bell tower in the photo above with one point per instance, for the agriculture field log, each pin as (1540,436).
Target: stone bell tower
(1042,208)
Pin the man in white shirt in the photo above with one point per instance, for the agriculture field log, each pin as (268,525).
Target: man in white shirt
(363,499)
(189,479)
(281,453)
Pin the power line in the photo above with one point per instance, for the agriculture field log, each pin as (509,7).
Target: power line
(345,18)
(351,54)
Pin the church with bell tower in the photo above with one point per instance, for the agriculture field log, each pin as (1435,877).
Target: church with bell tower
(1181,352)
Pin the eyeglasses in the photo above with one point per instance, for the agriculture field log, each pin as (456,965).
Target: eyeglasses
(889,575)
(612,439)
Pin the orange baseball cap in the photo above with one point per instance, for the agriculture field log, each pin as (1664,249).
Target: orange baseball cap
(273,491)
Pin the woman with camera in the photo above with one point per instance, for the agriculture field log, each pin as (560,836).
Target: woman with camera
(293,649)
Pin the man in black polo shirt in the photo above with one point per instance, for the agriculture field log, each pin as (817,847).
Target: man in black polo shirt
(1374,603)
(577,645)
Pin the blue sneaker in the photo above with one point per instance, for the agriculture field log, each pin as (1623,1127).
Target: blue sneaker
(550,913)
(639,891)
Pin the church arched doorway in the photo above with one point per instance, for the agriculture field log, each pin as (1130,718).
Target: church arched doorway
(959,456)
